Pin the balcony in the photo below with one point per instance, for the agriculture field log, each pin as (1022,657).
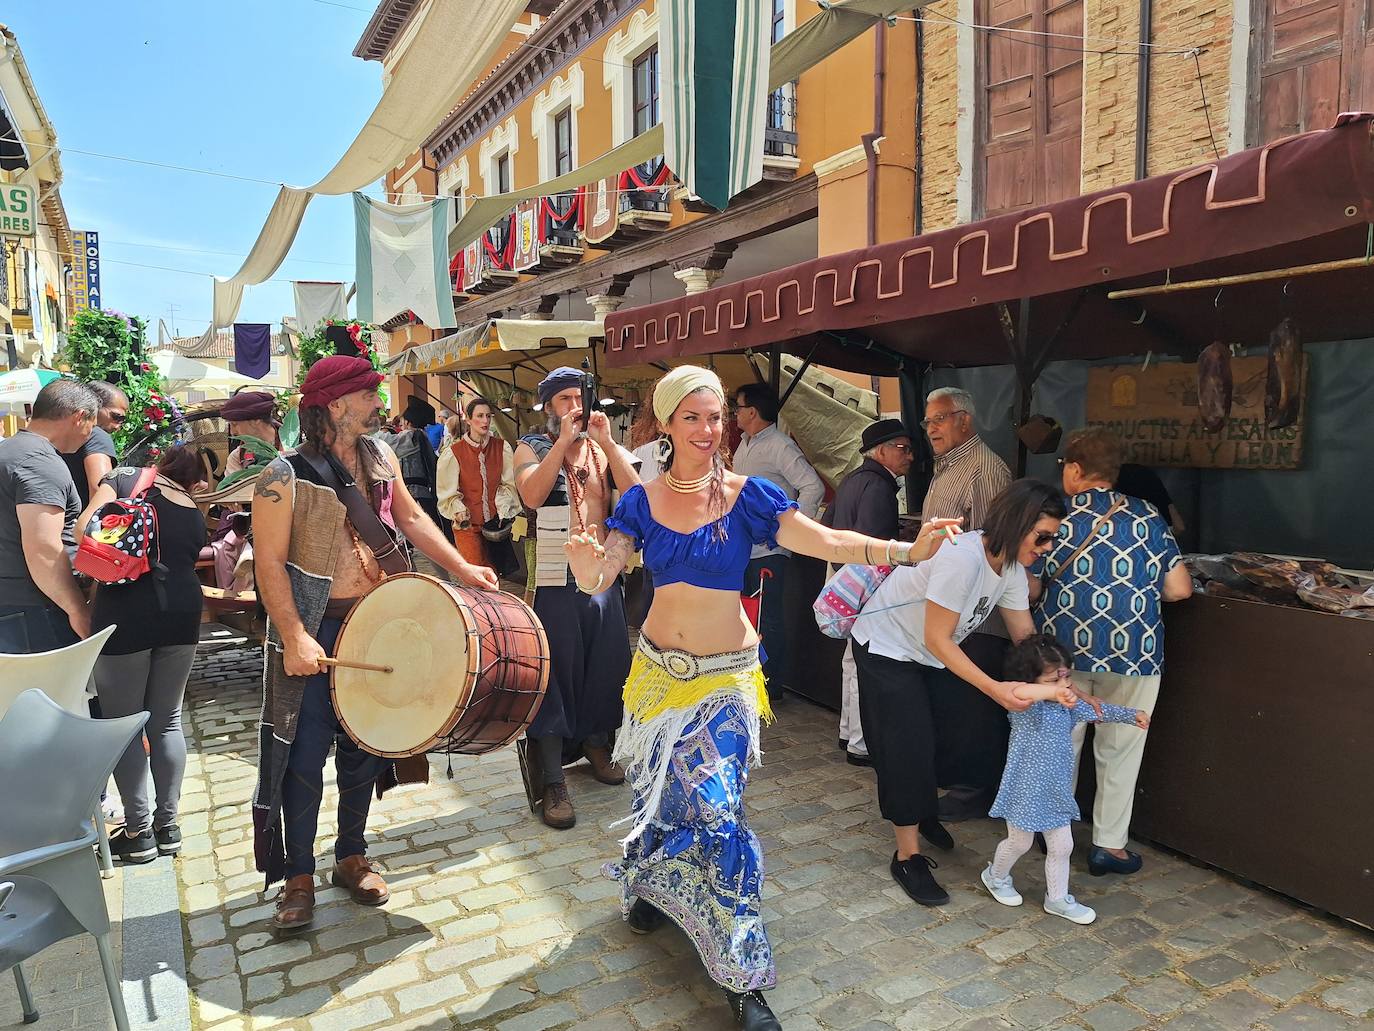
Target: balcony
(485,265)
(780,125)
(628,207)
(559,222)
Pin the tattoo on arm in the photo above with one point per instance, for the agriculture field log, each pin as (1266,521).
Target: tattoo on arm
(619,548)
(277,473)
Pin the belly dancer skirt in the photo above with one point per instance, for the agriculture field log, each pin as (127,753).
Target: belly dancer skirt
(691,733)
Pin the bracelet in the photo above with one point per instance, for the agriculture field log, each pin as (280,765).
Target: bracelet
(594,588)
(904,559)
(889,552)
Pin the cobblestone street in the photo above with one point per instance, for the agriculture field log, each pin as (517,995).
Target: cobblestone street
(495,921)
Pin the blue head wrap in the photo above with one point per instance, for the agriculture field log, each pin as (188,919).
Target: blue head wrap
(562,378)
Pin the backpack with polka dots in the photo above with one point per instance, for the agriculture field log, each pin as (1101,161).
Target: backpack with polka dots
(120,541)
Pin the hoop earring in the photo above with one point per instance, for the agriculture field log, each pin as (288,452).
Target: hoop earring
(665,452)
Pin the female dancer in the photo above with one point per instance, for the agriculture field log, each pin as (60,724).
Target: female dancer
(695,695)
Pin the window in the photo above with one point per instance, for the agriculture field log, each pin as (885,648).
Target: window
(779,19)
(1316,59)
(502,170)
(1030,126)
(459,206)
(562,142)
(645,91)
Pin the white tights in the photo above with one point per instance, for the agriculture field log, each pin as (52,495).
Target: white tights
(1059,845)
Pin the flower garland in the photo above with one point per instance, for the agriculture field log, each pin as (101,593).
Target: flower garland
(318,345)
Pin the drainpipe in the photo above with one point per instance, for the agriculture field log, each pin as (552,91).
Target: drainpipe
(1142,91)
(870,139)
(918,209)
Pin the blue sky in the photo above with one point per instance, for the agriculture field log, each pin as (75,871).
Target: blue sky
(267,89)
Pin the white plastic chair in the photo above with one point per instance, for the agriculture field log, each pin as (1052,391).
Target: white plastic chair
(64,675)
(55,764)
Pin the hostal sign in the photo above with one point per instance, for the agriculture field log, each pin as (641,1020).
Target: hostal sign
(16,210)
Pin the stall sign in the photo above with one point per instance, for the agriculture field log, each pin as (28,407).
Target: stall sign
(85,271)
(17,210)
(1155,412)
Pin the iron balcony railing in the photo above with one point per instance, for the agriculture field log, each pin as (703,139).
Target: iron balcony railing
(780,130)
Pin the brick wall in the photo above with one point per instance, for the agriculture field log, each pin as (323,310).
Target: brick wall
(939,185)
(1178,127)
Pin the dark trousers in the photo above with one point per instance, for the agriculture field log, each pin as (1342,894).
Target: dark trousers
(896,711)
(971,727)
(26,629)
(356,771)
(772,618)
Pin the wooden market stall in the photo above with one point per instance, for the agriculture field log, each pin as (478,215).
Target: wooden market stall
(1267,712)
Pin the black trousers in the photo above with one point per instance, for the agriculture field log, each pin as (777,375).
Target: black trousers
(28,629)
(971,728)
(899,728)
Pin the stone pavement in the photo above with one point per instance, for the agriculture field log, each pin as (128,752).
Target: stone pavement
(495,921)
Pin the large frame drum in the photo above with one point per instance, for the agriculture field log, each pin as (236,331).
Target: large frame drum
(468,668)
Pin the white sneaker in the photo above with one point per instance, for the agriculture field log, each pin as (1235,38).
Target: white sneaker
(1003,891)
(1070,909)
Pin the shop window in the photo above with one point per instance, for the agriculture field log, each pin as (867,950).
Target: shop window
(1030,118)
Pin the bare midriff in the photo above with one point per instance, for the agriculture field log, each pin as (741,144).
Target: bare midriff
(699,620)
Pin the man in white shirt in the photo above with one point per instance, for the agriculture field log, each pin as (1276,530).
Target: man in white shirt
(770,454)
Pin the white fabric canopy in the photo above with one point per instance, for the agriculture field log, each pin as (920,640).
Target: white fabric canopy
(454,44)
(182,373)
(316,302)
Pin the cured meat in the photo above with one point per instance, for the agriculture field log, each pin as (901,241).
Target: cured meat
(1214,386)
(1283,378)
(1268,596)
(1275,574)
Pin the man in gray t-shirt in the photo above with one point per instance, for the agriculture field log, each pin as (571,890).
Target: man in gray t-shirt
(41,607)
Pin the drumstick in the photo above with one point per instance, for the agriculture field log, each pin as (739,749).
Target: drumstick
(346,664)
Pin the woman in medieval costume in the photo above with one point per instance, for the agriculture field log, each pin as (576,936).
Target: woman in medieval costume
(695,695)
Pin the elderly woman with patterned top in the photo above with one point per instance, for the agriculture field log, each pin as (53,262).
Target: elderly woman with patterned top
(910,663)
(695,695)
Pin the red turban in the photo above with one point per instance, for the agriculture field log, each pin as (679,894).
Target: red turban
(331,378)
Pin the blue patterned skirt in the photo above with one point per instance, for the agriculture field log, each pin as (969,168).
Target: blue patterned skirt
(696,859)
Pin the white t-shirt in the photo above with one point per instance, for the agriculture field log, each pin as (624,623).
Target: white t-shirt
(958,578)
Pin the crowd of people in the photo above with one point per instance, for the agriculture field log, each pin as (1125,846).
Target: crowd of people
(1015,613)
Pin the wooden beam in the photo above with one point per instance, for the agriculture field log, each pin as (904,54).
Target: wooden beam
(776,210)
(1244,277)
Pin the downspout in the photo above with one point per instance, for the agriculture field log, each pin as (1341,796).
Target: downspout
(1142,91)
(918,209)
(870,139)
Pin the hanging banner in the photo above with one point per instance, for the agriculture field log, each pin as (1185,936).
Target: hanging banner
(1156,414)
(402,261)
(601,210)
(472,264)
(526,236)
(85,271)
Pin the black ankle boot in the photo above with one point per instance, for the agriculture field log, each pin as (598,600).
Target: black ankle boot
(645,917)
(751,1011)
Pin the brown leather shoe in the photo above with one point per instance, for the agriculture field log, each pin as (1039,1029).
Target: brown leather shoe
(356,874)
(602,768)
(295,904)
(558,809)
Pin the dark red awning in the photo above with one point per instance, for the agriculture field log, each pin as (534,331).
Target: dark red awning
(934,297)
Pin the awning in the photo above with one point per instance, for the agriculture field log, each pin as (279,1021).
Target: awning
(184,374)
(495,344)
(940,297)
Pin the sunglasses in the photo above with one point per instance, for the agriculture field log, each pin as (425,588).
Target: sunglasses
(1042,539)
(116,417)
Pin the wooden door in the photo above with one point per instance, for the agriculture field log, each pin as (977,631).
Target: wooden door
(1316,59)
(1031,112)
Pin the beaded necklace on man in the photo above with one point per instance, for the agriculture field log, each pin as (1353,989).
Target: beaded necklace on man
(577,476)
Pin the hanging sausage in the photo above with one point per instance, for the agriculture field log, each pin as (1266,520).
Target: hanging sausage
(1283,381)
(1214,385)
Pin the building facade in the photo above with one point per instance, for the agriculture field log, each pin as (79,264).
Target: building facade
(33,287)
(964,110)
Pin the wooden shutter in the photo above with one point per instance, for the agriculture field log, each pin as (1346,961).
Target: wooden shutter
(1032,104)
(1316,60)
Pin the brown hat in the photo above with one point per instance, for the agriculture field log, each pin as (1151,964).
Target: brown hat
(250,405)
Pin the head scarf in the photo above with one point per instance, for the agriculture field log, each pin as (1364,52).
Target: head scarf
(331,378)
(673,388)
(561,379)
(249,405)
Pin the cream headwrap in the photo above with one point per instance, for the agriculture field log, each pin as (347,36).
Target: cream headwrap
(684,380)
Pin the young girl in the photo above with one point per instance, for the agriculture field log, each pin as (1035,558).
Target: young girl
(1037,787)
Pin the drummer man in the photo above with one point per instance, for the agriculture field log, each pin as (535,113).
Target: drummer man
(567,476)
(312,564)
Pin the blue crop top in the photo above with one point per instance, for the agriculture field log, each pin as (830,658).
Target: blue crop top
(700,558)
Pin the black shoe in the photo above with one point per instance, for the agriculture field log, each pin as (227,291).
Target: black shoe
(168,840)
(133,848)
(855,759)
(645,918)
(917,881)
(844,744)
(934,832)
(1100,862)
(751,1011)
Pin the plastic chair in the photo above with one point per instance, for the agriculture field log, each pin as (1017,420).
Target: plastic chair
(62,762)
(64,675)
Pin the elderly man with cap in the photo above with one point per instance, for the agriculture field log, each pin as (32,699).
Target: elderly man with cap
(250,413)
(314,559)
(867,503)
(566,476)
